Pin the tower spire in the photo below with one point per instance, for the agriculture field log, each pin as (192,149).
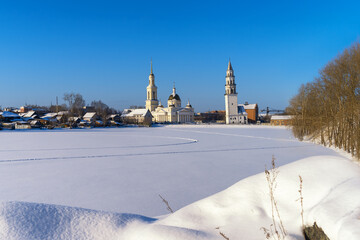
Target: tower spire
(229,65)
(151,71)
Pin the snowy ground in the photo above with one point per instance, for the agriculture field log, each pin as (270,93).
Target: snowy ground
(113,171)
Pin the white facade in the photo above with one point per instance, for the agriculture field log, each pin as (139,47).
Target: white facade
(235,114)
(174,113)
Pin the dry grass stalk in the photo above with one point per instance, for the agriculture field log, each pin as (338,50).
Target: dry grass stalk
(267,232)
(224,236)
(277,230)
(301,201)
(167,204)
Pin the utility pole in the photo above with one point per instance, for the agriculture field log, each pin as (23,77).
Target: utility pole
(57,105)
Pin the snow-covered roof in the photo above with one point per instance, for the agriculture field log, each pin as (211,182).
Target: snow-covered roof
(249,106)
(29,114)
(7,114)
(280,117)
(141,112)
(126,111)
(184,110)
(89,115)
(49,115)
(63,112)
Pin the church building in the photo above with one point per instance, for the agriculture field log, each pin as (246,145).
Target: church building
(174,113)
(235,113)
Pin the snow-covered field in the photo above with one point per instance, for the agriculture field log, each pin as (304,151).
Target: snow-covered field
(90,184)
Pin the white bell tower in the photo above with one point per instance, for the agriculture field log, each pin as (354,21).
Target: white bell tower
(231,100)
(151,91)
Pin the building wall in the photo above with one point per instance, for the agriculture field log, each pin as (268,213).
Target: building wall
(280,122)
(173,115)
(231,108)
(252,114)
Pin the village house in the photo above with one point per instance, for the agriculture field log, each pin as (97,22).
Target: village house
(24,109)
(137,116)
(280,120)
(61,116)
(210,117)
(90,117)
(114,119)
(50,117)
(252,111)
(22,125)
(8,117)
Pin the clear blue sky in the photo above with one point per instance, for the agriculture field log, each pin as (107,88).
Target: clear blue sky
(102,49)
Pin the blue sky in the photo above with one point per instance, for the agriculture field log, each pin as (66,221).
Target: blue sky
(102,49)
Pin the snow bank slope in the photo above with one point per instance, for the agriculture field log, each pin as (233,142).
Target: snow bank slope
(20,220)
(25,221)
(331,191)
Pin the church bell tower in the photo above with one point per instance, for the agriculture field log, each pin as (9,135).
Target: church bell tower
(151,91)
(231,105)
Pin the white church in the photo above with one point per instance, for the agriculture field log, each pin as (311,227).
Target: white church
(235,113)
(173,113)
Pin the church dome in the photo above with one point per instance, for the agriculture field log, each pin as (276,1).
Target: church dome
(171,97)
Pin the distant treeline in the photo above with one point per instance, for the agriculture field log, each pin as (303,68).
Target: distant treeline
(329,107)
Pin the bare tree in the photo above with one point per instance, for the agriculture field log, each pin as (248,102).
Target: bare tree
(75,102)
(101,109)
(329,107)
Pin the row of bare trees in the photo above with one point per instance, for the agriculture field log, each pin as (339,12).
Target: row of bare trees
(329,107)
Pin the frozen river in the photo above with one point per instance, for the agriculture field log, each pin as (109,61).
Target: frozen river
(125,169)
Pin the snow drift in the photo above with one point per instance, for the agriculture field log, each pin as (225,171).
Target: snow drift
(331,191)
